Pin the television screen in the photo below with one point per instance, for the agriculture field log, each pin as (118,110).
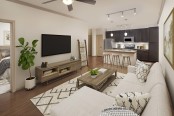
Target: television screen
(55,44)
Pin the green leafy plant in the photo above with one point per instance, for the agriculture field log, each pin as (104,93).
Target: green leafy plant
(27,54)
(94,71)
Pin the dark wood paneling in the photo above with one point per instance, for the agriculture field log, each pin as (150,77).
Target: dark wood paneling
(144,35)
(143,55)
(153,52)
(153,34)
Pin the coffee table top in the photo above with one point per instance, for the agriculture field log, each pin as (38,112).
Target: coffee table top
(101,77)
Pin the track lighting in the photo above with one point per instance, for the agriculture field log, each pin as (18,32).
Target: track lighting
(122,12)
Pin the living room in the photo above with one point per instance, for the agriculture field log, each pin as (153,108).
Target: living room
(31,19)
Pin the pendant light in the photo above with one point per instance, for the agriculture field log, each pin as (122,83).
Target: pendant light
(68,2)
(125,33)
(112,34)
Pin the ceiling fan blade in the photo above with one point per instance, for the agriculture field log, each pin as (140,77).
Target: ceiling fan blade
(48,1)
(88,1)
(70,7)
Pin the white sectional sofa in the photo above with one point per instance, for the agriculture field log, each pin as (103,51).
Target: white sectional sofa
(89,102)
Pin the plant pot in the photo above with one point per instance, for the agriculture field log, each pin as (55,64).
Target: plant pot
(30,83)
(93,76)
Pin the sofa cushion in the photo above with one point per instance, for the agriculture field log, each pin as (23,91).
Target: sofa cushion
(142,71)
(160,103)
(154,77)
(84,102)
(134,101)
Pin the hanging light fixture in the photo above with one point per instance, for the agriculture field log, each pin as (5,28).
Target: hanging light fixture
(108,17)
(112,34)
(135,11)
(68,2)
(125,33)
(122,14)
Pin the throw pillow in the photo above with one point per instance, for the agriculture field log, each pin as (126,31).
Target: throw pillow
(134,101)
(142,71)
(138,62)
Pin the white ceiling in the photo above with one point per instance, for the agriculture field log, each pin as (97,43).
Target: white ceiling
(148,12)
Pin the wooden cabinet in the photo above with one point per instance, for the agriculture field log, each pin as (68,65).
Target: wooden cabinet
(143,55)
(153,52)
(153,34)
(144,35)
(57,69)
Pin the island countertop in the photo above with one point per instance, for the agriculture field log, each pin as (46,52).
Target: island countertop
(121,50)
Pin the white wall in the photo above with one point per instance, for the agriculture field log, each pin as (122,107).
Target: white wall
(167,69)
(31,23)
(3,27)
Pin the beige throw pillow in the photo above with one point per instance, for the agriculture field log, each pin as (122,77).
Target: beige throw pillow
(134,101)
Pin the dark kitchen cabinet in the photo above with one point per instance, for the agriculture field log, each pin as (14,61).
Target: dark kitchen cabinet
(153,34)
(144,35)
(142,55)
(153,52)
(137,35)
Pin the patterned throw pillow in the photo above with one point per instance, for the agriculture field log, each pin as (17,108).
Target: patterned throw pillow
(138,62)
(142,71)
(134,101)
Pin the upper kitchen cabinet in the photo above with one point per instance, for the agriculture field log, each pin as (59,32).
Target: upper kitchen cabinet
(153,34)
(144,35)
(137,35)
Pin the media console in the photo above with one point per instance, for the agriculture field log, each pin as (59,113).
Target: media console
(57,69)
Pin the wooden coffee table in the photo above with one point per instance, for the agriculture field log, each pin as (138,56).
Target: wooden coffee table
(100,82)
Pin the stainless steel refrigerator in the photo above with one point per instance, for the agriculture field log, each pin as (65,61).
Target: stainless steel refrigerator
(108,43)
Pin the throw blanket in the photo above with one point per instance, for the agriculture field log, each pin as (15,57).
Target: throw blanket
(4,64)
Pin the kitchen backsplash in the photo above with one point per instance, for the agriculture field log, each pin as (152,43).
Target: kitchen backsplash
(138,45)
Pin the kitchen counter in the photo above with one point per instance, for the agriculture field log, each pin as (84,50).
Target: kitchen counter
(121,50)
(130,52)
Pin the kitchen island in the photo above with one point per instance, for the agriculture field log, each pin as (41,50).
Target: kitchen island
(129,52)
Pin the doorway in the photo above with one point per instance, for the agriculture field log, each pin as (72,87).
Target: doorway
(99,45)
(7,56)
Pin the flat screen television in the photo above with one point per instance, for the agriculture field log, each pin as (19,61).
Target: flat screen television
(55,44)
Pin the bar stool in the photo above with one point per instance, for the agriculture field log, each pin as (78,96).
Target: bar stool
(107,58)
(126,60)
(116,59)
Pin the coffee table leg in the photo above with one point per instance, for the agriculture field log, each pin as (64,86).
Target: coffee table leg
(77,83)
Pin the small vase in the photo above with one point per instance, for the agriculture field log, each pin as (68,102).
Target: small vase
(93,76)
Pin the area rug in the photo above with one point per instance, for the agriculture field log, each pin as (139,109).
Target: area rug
(45,100)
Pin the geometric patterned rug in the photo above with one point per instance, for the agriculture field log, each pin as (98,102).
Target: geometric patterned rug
(45,100)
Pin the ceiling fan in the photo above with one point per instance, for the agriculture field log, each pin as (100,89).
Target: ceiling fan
(69,2)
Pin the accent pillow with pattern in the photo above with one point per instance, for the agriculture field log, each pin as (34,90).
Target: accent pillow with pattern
(142,71)
(134,101)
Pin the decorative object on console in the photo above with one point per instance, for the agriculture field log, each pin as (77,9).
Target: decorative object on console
(44,64)
(26,60)
(72,58)
(134,101)
(169,39)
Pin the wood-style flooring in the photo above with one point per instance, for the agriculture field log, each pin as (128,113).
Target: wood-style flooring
(19,104)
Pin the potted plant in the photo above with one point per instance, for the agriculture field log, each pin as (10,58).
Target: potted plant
(94,73)
(26,60)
